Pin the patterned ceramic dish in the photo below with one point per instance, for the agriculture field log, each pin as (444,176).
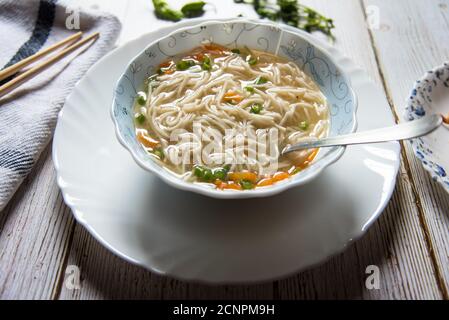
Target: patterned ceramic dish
(262,36)
(431,95)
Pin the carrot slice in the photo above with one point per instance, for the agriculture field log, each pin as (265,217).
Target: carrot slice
(279,176)
(265,182)
(214,48)
(312,155)
(233,97)
(146,140)
(227,185)
(244,175)
(167,67)
(166,64)
(446,119)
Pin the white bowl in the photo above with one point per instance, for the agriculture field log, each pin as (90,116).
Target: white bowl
(260,35)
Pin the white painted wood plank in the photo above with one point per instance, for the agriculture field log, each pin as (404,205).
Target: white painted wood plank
(35,228)
(414,38)
(395,243)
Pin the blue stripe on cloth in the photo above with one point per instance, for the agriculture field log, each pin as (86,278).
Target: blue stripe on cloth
(16,160)
(41,31)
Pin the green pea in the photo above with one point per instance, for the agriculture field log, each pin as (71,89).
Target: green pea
(198,171)
(140,118)
(141,98)
(246,185)
(256,108)
(207,175)
(261,80)
(184,64)
(220,174)
(303,125)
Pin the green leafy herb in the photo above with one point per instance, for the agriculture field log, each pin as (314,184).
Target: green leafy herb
(141,98)
(207,63)
(292,13)
(193,9)
(159,153)
(184,64)
(246,185)
(249,89)
(251,60)
(140,118)
(236,51)
(260,80)
(163,11)
(297,170)
(256,108)
(303,125)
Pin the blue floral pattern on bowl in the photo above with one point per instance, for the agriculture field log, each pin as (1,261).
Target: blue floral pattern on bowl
(263,36)
(424,99)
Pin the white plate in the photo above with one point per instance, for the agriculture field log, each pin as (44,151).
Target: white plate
(189,236)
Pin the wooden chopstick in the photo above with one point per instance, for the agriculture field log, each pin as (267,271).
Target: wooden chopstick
(23,63)
(23,77)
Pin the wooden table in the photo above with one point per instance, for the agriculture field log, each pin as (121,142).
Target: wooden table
(409,243)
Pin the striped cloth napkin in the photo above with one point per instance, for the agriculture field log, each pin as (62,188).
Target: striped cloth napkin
(28,114)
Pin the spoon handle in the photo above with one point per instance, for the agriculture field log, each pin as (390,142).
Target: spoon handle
(403,131)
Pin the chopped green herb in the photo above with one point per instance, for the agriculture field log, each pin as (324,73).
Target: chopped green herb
(246,185)
(256,108)
(236,51)
(297,170)
(249,89)
(164,12)
(251,60)
(193,9)
(141,98)
(159,153)
(303,125)
(207,63)
(260,80)
(140,118)
(184,64)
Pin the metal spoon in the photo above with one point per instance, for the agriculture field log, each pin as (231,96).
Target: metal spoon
(401,131)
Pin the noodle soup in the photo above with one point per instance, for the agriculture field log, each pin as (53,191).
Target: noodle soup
(223,116)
